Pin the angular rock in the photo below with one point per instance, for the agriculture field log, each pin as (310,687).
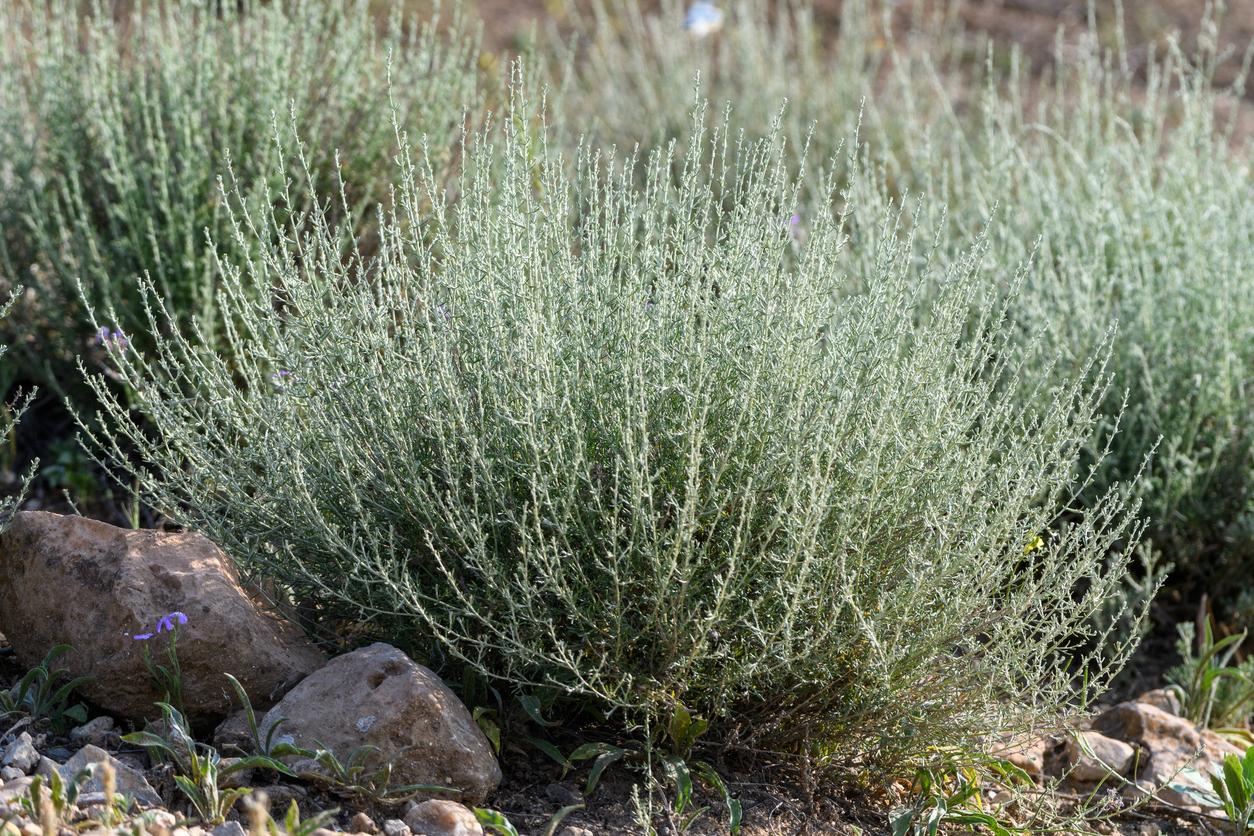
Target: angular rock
(230,828)
(109,584)
(13,791)
(396,827)
(280,796)
(1108,756)
(581,831)
(128,782)
(377,696)
(562,794)
(98,732)
(1024,751)
(442,818)
(1216,747)
(233,734)
(20,753)
(1166,738)
(10,773)
(1162,698)
(1173,760)
(361,823)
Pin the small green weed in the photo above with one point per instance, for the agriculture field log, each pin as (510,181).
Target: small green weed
(354,777)
(261,823)
(45,693)
(1234,785)
(199,767)
(949,794)
(1213,690)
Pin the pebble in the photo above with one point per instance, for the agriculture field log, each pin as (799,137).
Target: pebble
(21,754)
(361,823)
(396,827)
(97,732)
(563,794)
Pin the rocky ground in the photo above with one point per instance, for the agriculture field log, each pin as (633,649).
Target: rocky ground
(348,735)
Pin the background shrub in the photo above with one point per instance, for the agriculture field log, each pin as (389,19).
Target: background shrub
(10,414)
(622,446)
(1113,173)
(114,132)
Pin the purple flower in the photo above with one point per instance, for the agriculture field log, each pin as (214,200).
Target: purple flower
(165,624)
(794,220)
(111,338)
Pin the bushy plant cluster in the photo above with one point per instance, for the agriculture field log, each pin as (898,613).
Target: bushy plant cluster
(114,133)
(1117,177)
(822,421)
(623,447)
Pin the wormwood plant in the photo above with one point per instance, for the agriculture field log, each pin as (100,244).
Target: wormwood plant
(10,414)
(629,78)
(1119,174)
(622,446)
(113,133)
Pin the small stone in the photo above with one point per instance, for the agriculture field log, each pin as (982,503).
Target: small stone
(361,823)
(233,780)
(21,754)
(442,818)
(562,794)
(1024,751)
(98,732)
(1164,699)
(575,831)
(163,819)
(128,782)
(281,796)
(10,773)
(14,790)
(233,734)
(396,827)
(230,828)
(1108,756)
(47,767)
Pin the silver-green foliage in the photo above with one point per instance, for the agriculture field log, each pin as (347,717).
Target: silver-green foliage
(113,133)
(632,79)
(1114,176)
(1138,208)
(621,445)
(10,414)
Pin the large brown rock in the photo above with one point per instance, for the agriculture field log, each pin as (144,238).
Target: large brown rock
(71,580)
(377,696)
